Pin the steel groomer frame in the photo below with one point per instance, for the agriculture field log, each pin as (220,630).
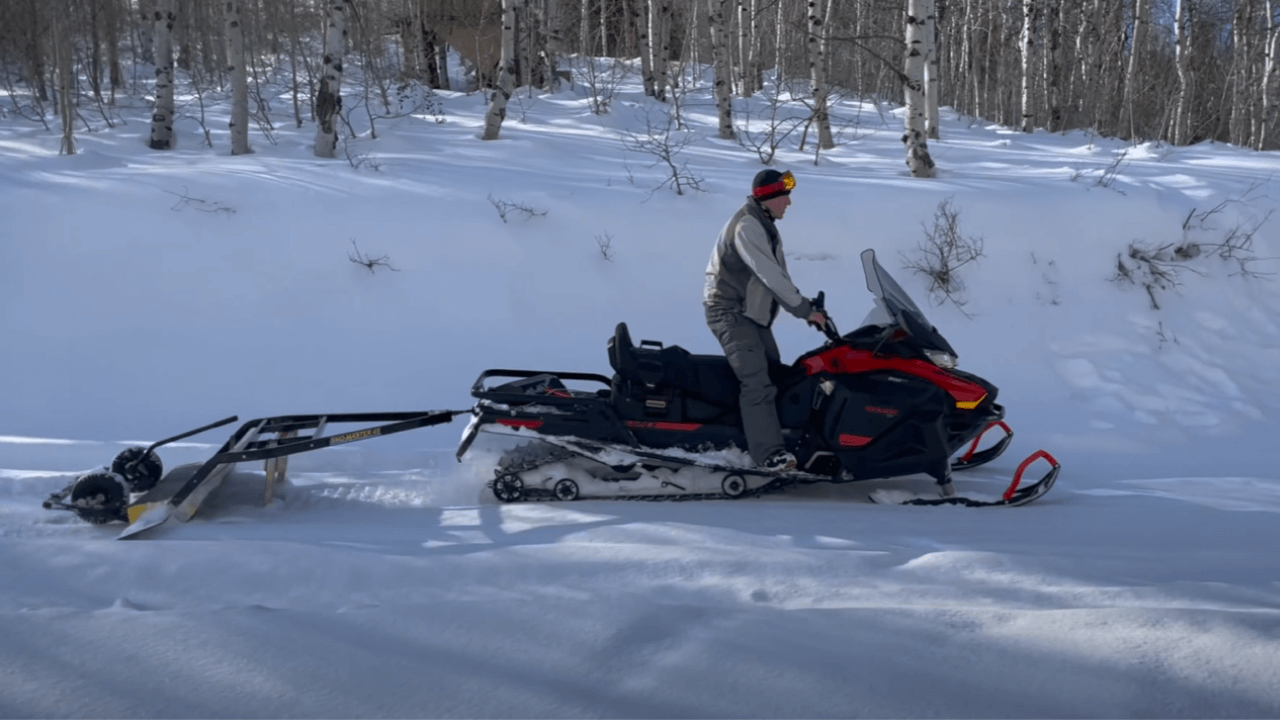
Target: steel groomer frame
(395,422)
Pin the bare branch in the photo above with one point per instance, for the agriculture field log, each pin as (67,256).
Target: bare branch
(942,254)
(186,201)
(370,262)
(505,207)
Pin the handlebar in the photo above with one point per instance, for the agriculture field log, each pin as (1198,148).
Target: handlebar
(828,328)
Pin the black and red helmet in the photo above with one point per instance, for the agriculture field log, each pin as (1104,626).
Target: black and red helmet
(771,184)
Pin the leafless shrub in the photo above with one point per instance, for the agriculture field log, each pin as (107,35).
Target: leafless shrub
(777,128)
(1157,268)
(1154,269)
(1235,243)
(506,207)
(1112,171)
(198,89)
(1050,276)
(944,251)
(358,160)
(186,201)
(664,141)
(525,101)
(601,84)
(1106,178)
(605,242)
(370,262)
(1165,337)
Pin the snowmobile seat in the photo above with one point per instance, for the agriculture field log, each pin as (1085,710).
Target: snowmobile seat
(705,377)
(645,367)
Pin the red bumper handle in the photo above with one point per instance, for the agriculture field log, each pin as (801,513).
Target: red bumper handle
(1017,476)
(968,455)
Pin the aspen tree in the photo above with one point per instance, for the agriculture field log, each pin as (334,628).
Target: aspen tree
(718,23)
(933,86)
(329,94)
(659,46)
(506,73)
(1272,46)
(66,83)
(162,118)
(641,11)
(239,123)
(1141,19)
(819,15)
(1182,30)
(1027,44)
(914,137)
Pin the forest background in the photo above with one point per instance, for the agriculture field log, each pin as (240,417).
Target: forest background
(1177,71)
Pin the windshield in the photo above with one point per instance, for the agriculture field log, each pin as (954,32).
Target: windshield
(895,307)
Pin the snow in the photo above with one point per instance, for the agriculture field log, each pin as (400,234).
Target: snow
(145,293)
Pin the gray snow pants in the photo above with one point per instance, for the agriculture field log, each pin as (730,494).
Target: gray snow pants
(750,348)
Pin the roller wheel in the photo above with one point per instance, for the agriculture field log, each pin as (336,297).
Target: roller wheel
(508,488)
(141,472)
(100,498)
(734,486)
(566,490)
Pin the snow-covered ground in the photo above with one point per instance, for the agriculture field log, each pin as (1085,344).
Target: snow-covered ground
(145,293)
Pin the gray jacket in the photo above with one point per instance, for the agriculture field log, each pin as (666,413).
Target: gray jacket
(748,270)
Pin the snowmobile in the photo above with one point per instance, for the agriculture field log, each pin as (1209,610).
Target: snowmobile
(883,401)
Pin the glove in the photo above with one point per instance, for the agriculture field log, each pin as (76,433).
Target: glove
(818,319)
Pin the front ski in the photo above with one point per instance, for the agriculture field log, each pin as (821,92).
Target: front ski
(1014,496)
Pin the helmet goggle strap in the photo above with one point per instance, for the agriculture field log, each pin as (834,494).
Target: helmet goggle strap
(785,184)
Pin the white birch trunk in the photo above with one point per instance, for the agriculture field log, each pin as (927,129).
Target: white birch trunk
(524,45)
(162,119)
(604,28)
(642,13)
(1269,75)
(819,13)
(1141,19)
(1027,44)
(1054,66)
(1182,29)
(442,62)
(780,77)
(1091,59)
(66,85)
(584,30)
(933,74)
(506,73)
(664,70)
(718,24)
(329,94)
(239,123)
(1242,88)
(659,46)
(914,137)
(146,30)
(695,43)
(744,49)
(754,63)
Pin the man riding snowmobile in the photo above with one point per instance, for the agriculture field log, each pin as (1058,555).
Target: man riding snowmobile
(747,281)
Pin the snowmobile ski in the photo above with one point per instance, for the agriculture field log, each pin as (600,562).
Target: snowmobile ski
(1015,495)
